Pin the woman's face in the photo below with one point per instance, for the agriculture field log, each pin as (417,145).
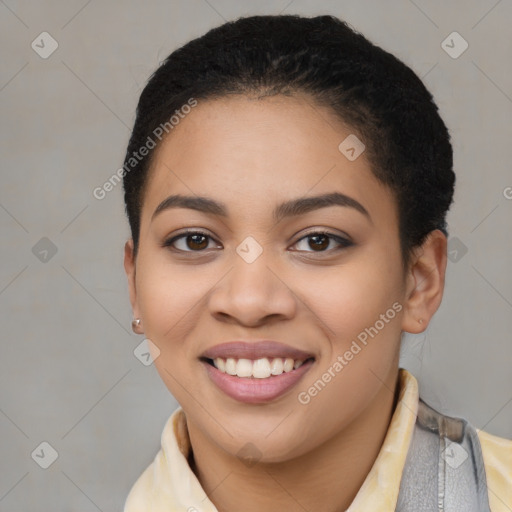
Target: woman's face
(258,266)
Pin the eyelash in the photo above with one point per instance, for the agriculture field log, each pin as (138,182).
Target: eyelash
(343,243)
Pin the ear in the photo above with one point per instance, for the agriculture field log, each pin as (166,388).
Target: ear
(129,268)
(425,282)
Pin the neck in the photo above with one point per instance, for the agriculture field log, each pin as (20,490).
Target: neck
(326,479)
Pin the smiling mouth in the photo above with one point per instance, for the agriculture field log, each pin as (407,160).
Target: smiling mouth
(262,368)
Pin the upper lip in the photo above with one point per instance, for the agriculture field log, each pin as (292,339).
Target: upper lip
(255,350)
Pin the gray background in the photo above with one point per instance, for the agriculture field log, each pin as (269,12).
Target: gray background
(68,374)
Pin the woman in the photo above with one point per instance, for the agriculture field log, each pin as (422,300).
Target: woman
(286,185)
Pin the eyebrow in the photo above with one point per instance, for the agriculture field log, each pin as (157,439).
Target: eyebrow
(290,208)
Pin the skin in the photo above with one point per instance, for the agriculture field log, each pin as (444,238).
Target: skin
(252,155)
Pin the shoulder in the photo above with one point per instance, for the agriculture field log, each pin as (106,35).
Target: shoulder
(168,481)
(155,482)
(489,456)
(137,499)
(497,455)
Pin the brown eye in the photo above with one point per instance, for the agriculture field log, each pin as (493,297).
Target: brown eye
(320,241)
(196,242)
(192,241)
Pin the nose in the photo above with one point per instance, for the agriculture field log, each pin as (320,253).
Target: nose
(253,294)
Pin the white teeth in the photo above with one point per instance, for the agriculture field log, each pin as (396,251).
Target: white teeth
(220,364)
(244,368)
(230,366)
(288,364)
(259,369)
(276,366)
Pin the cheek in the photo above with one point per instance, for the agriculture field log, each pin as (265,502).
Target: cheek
(351,298)
(363,310)
(169,303)
(170,299)
(167,293)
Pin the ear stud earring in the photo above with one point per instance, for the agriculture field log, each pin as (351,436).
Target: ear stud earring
(136,325)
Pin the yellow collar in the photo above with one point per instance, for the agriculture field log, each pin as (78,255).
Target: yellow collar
(169,484)
(380,488)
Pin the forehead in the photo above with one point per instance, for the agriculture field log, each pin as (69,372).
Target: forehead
(253,152)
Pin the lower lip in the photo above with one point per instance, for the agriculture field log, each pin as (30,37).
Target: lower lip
(256,391)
